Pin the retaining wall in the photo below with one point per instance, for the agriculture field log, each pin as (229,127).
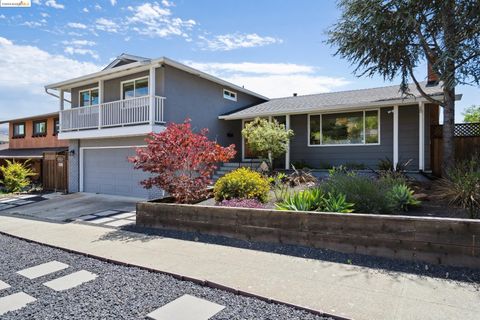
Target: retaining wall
(433,240)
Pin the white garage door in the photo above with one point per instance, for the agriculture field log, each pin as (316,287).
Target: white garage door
(108,171)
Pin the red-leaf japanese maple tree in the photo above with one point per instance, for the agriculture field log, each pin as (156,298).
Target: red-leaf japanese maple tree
(181,161)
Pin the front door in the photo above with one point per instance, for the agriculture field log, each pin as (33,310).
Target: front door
(248,154)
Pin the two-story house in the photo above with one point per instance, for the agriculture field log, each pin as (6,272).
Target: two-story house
(35,139)
(112,112)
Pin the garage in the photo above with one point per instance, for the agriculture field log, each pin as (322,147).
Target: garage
(107,171)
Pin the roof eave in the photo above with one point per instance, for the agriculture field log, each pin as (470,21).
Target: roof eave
(342,107)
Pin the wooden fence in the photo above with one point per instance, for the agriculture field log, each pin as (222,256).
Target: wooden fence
(55,171)
(467,143)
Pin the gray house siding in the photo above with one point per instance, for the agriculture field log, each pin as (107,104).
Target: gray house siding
(324,156)
(189,96)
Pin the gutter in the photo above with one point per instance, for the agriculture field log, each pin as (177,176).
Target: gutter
(56,96)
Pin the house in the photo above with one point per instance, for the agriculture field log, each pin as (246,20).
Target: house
(35,139)
(3,141)
(357,127)
(112,112)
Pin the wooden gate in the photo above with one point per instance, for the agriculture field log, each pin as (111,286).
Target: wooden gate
(467,144)
(55,172)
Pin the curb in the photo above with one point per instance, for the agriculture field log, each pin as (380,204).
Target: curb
(204,283)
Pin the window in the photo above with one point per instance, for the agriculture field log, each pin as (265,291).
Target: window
(39,128)
(88,97)
(230,95)
(19,130)
(56,126)
(135,88)
(347,128)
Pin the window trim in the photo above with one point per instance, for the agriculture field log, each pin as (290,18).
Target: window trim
(39,134)
(134,87)
(229,97)
(24,130)
(90,90)
(55,121)
(344,144)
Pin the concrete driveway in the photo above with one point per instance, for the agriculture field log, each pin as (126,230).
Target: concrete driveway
(70,207)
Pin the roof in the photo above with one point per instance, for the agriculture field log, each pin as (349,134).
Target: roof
(335,101)
(124,58)
(28,153)
(34,117)
(142,65)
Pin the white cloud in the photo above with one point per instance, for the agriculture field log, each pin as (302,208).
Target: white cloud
(2,16)
(85,10)
(37,2)
(97,7)
(273,79)
(227,42)
(76,25)
(80,43)
(54,4)
(153,20)
(26,70)
(35,24)
(81,51)
(113,2)
(44,14)
(167,3)
(106,25)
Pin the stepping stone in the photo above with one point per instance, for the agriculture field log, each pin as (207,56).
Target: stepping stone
(42,269)
(105,213)
(71,281)
(14,302)
(124,215)
(186,307)
(118,223)
(4,285)
(101,220)
(87,217)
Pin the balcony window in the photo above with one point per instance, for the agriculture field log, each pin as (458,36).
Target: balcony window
(88,97)
(346,128)
(39,128)
(135,88)
(19,130)
(56,126)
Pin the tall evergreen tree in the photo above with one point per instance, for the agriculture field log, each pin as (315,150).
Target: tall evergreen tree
(391,37)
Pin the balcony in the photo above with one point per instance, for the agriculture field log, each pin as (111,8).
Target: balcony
(128,117)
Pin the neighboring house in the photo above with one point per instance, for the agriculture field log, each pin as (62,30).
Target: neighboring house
(35,139)
(113,111)
(358,127)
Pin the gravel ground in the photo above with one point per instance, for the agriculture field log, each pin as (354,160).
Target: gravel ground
(379,264)
(119,292)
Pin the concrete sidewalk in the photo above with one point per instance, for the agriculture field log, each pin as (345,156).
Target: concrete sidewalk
(348,291)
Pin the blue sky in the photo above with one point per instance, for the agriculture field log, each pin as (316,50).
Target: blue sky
(272,47)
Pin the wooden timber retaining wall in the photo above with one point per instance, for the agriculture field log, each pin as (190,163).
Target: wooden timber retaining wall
(444,241)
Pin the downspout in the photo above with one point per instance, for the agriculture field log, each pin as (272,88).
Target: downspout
(56,96)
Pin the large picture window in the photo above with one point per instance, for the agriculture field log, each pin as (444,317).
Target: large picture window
(19,130)
(135,88)
(88,97)
(347,128)
(39,128)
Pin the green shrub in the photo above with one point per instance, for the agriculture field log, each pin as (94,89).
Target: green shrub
(306,200)
(280,186)
(462,187)
(401,197)
(336,203)
(16,176)
(242,183)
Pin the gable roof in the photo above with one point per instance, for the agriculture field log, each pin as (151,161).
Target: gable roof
(124,59)
(142,65)
(341,100)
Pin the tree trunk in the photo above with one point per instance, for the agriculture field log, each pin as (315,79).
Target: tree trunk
(448,24)
(448,159)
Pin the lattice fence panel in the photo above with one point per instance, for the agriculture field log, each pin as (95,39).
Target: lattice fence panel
(461,130)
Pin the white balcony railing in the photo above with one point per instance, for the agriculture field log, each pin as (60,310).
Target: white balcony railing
(119,113)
